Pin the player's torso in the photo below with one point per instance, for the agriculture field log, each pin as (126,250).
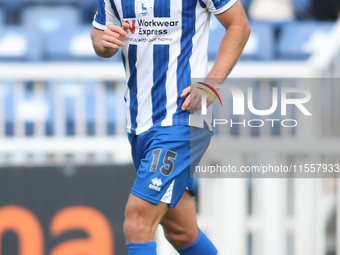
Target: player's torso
(165,47)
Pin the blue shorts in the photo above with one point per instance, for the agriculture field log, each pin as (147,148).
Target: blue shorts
(163,157)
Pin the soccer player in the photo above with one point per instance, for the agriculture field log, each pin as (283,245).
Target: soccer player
(164,45)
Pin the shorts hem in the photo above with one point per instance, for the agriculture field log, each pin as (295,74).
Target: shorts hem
(149,199)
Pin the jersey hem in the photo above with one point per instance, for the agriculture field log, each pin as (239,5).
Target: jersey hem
(150,199)
(99,26)
(225,8)
(163,123)
(169,124)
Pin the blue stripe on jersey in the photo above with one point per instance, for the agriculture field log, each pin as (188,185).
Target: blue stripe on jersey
(124,62)
(114,8)
(128,7)
(158,91)
(162,8)
(219,3)
(101,16)
(184,70)
(132,84)
(202,4)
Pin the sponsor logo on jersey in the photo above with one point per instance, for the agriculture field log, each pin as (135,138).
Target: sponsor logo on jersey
(151,27)
(156,183)
(132,26)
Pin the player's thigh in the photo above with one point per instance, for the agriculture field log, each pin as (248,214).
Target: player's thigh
(142,210)
(142,219)
(180,224)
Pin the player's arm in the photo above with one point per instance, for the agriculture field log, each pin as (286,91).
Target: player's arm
(106,43)
(237,33)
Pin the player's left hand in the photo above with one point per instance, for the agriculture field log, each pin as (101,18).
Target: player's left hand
(193,98)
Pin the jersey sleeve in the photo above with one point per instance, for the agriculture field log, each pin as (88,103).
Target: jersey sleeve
(105,16)
(218,6)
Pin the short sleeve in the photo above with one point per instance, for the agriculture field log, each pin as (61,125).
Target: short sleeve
(105,15)
(218,6)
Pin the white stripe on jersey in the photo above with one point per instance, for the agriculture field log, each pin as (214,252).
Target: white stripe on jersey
(199,56)
(200,43)
(119,8)
(127,92)
(175,50)
(144,85)
(110,19)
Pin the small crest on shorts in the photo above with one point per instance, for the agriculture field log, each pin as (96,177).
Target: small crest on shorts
(156,183)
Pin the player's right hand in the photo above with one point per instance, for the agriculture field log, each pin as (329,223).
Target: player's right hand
(114,36)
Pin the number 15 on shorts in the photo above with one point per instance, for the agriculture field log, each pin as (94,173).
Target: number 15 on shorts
(168,161)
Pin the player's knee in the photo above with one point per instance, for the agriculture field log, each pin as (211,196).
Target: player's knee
(136,228)
(180,238)
(130,228)
(135,231)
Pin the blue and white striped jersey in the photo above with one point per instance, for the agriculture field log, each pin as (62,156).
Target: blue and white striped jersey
(166,47)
